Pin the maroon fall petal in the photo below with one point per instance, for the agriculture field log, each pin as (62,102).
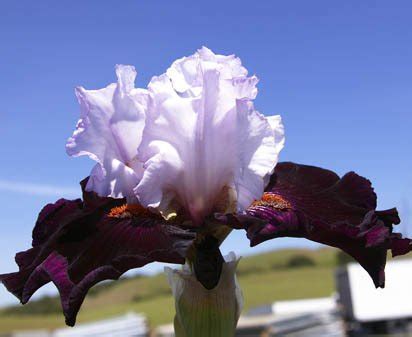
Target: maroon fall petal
(314,203)
(77,244)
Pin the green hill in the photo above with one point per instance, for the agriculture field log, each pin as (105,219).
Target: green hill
(264,278)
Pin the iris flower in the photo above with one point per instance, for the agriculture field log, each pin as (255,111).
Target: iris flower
(178,166)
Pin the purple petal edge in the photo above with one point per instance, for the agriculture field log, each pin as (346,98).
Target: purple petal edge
(76,245)
(314,203)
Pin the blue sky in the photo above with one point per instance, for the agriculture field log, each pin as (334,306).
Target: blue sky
(339,72)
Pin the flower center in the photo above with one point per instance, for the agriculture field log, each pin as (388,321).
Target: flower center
(129,211)
(272,200)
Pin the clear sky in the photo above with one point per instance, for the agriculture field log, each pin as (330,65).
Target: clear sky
(339,72)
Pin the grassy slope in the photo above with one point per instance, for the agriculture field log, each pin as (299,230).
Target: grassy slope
(264,278)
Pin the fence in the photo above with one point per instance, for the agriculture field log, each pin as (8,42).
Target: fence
(130,325)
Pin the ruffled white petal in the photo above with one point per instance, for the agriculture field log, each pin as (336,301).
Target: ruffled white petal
(204,145)
(186,73)
(278,130)
(109,131)
(261,144)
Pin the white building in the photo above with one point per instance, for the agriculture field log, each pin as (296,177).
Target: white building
(377,310)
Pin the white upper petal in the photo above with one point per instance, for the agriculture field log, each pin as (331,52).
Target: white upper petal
(204,145)
(109,131)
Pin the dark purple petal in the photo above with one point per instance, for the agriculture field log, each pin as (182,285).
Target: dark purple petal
(77,244)
(314,203)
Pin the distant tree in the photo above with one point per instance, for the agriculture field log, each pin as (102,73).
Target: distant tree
(297,261)
(44,306)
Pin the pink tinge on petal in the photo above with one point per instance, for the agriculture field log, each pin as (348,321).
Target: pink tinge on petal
(204,145)
(109,131)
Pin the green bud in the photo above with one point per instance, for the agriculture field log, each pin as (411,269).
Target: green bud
(206,313)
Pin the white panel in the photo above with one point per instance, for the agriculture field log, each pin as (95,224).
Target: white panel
(312,305)
(393,302)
